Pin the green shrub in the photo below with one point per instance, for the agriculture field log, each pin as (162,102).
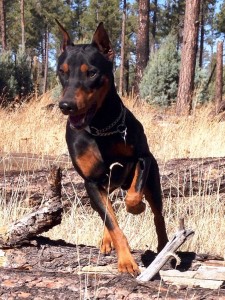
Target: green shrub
(8,85)
(23,74)
(201,94)
(15,76)
(160,81)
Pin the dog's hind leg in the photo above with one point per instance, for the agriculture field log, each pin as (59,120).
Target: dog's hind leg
(134,195)
(153,195)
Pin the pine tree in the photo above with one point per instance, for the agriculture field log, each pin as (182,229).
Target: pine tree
(104,11)
(160,81)
(142,41)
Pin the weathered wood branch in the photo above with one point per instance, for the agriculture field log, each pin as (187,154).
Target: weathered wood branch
(169,250)
(206,277)
(40,220)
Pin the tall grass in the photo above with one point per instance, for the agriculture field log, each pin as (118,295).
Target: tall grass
(34,129)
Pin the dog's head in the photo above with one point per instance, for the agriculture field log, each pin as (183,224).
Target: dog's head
(85,72)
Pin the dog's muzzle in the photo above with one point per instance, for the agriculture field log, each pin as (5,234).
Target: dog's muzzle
(78,120)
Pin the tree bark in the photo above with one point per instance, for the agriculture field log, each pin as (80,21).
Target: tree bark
(154,22)
(40,220)
(46,60)
(3,25)
(22,25)
(126,76)
(188,58)
(202,34)
(121,85)
(219,76)
(142,41)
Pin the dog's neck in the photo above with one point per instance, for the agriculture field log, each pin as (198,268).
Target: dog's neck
(109,111)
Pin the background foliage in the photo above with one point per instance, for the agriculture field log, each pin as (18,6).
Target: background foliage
(20,75)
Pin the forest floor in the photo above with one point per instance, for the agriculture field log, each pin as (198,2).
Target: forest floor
(55,269)
(58,270)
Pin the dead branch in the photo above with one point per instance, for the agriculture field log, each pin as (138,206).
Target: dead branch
(168,251)
(40,220)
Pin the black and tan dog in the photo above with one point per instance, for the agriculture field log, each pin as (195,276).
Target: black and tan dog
(101,132)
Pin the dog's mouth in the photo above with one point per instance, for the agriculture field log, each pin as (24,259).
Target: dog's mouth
(83,120)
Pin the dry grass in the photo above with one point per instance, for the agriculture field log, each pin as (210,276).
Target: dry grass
(36,130)
(33,129)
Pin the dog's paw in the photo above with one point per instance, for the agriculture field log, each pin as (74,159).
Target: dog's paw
(136,209)
(106,245)
(126,264)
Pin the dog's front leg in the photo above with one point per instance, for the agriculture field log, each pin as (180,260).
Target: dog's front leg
(102,205)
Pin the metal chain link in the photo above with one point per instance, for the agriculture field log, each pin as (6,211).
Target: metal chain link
(103,132)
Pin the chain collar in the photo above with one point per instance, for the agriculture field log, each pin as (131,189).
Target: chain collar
(121,128)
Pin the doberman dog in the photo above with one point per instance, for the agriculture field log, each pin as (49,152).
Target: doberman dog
(107,144)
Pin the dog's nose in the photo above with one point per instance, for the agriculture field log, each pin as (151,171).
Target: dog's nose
(67,107)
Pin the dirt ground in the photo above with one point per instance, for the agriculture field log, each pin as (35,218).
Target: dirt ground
(58,270)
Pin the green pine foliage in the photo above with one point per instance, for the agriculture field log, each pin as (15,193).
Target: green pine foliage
(8,84)
(107,12)
(160,81)
(23,74)
(201,93)
(15,76)
(220,19)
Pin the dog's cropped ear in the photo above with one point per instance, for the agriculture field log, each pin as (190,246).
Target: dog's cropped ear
(66,37)
(102,42)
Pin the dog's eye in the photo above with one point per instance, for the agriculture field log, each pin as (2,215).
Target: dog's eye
(61,71)
(92,74)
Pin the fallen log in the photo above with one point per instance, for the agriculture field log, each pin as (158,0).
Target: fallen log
(197,176)
(179,178)
(40,220)
(168,251)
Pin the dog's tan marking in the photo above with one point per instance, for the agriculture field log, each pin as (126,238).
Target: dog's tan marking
(84,68)
(65,67)
(88,161)
(134,197)
(84,98)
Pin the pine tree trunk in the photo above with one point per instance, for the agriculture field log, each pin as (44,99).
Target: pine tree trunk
(126,75)
(142,41)
(46,60)
(3,25)
(22,25)
(121,88)
(219,76)
(154,21)
(202,34)
(188,58)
